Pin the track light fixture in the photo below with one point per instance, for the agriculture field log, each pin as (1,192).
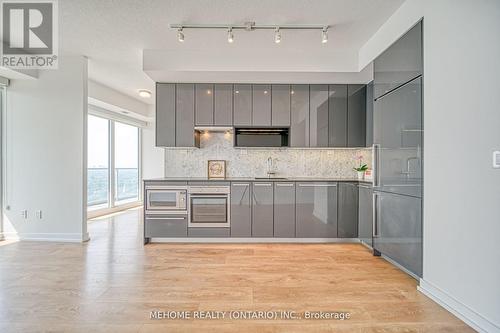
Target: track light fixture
(251,26)
(180,35)
(277,35)
(230,36)
(324,35)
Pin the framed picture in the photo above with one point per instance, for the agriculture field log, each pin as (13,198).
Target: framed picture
(216,169)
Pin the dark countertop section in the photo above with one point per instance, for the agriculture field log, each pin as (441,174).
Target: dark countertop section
(251,179)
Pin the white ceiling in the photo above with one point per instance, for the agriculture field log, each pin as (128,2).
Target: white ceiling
(113,34)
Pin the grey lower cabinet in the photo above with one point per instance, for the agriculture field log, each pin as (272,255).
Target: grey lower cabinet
(223,105)
(316,210)
(299,109)
(318,116)
(356,115)
(241,209)
(242,112)
(365,213)
(280,105)
(185,135)
(262,209)
(284,209)
(208,232)
(261,105)
(337,115)
(204,104)
(165,115)
(398,229)
(347,210)
(166,225)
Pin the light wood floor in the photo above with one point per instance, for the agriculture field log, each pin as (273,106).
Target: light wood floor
(111,284)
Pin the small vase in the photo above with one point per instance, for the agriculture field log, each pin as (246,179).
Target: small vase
(361,175)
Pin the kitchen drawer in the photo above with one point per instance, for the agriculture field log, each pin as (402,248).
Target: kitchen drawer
(165,226)
(209,183)
(208,232)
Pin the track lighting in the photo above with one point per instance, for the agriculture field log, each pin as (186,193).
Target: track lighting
(230,36)
(251,26)
(180,35)
(277,36)
(324,35)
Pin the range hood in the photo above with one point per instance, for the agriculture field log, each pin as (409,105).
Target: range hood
(260,137)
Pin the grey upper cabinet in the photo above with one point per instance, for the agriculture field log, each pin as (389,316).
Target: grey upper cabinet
(280,105)
(284,209)
(316,210)
(365,213)
(262,209)
(204,104)
(299,129)
(165,115)
(400,63)
(337,115)
(223,105)
(348,210)
(398,229)
(241,209)
(261,105)
(242,114)
(184,116)
(318,130)
(356,115)
(369,114)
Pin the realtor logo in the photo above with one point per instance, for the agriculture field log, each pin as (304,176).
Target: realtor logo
(29,34)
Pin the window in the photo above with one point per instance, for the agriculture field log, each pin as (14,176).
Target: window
(126,163)
(98,162)
(113,163)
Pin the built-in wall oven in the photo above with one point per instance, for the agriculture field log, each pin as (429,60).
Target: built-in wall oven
(209,206)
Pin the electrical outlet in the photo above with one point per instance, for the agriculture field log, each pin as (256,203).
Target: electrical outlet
(496,159)
(24,214)
(39,214)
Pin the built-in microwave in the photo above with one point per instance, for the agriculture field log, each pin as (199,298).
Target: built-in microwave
(166,198)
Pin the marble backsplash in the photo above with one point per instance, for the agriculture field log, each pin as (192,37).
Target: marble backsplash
(240,162)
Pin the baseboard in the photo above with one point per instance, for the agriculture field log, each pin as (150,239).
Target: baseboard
(460,310)
(251,240)
(45,237)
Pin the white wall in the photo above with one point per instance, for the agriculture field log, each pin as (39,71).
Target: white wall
(461,123)
(44,149)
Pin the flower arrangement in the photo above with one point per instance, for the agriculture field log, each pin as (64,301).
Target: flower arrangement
(361,167)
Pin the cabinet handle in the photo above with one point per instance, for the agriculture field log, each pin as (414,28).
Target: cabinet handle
(238,184)
(284,185)
(165,218)
(365,186)
(375,162)
(318,185)
(374,216)
(261,184)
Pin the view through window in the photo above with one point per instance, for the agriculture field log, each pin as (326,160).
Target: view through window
(113,178)
(126,163)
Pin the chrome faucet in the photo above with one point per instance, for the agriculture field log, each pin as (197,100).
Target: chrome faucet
(270,167)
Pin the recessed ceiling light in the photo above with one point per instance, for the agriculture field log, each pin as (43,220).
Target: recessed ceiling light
(145,93)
